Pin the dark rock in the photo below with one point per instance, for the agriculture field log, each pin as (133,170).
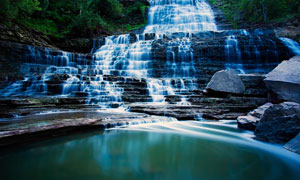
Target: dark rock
(226,81)
(280,123)
(285,80)
(250,121)
(294,144)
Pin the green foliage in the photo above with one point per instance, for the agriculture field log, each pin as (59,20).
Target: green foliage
(259,10)
(43,25)
(109,8)
(18,8)
(75,17)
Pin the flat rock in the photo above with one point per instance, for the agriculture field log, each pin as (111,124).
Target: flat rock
(24,129)
(280,123)
(226,81)
(284,80)
(250,121)
(294,144)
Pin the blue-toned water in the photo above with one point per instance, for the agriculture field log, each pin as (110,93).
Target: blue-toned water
(175,150)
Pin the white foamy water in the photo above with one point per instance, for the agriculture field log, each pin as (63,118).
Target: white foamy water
(167,16)
(292,45)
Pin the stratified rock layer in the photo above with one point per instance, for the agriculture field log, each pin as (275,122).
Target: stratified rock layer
(57,122)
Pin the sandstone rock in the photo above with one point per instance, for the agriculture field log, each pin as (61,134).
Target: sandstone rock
(293,145)
(285,80)
(226,81)
(280,123)
(250,121)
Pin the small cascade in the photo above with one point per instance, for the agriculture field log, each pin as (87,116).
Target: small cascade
(184,102)
(160,88)
(292,45)
(121,58)
(104,93)
(52,67)
(199,117)
(246,52)
(180,58)
(96,45)
(233,54)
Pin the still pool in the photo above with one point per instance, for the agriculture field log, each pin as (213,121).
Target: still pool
(175,150)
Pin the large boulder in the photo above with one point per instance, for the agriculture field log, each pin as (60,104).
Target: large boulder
(250,121)
(293,145)
(226,81)
(284,80)
(280,123)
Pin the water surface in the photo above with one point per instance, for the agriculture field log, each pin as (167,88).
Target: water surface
(176,150)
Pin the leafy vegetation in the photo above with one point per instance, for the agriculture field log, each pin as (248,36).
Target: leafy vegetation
(75,17)
(255,11)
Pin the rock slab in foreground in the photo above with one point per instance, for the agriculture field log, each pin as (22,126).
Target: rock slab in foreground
(293,145)
(250,121)
(280,123)
(35,127)
(284,80)
(226,81)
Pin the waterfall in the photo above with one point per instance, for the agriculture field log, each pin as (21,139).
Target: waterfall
(180,16)
(100,77)
(181,62)
(292,45)
(233,54)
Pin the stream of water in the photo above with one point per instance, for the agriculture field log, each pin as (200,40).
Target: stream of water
(175,150)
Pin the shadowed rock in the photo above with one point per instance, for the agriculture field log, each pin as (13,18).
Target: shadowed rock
(250,121)
(280,123)
(284,80)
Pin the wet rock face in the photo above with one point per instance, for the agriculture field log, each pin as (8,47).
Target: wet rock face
(294,144)
(250,121)
(280,123)
(257,50)
(285,80)
(226,81)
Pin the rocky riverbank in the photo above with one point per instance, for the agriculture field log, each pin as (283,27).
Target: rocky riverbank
(278,122)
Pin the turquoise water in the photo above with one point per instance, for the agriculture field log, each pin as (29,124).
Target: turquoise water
(176,150)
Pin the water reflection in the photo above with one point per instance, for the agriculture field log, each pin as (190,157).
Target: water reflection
(177,150)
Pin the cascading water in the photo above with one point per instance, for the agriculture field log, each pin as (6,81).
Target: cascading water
(99,76)
(166,16)
(292,45)
(233,54)
(121,58)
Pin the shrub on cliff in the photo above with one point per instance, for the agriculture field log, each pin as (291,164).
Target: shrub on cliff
(259,10)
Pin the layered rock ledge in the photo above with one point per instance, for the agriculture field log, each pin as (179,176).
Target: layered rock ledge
(56,122)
